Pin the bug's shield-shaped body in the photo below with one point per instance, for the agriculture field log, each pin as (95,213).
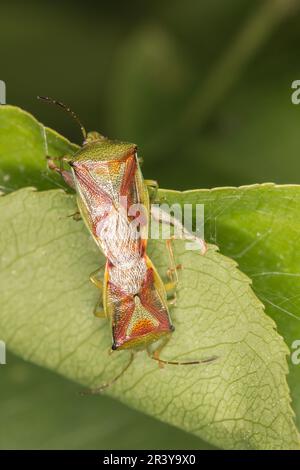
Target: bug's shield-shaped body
(114,203)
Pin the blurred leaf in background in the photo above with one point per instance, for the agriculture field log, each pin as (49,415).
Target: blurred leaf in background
(43,411)
(222,70)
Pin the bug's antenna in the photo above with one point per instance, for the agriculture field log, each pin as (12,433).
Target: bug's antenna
(65,108)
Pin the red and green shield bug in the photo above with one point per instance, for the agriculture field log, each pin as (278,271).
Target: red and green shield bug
(113,200)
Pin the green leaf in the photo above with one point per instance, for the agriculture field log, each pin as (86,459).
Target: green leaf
(239,401)
(259,227)
(24,145)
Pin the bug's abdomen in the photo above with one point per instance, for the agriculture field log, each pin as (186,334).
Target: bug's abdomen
(139,313)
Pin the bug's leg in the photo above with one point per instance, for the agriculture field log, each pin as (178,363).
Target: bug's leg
(94,278)
(151,184)
(172,271)
(76,216)
(181,232)
(98,390)
(156,356)
(67,175)
(172,274)
(170,288)
(152,187)
(182,363)
(99,311)
(157,351)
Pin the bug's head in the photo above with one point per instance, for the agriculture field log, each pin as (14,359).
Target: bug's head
(103,150)
(95,145)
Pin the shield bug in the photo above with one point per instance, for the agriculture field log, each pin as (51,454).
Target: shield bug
(113,200)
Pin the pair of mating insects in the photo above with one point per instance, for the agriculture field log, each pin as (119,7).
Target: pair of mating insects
(113,200)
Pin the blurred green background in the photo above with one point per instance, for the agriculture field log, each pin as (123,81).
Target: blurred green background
(203,87)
